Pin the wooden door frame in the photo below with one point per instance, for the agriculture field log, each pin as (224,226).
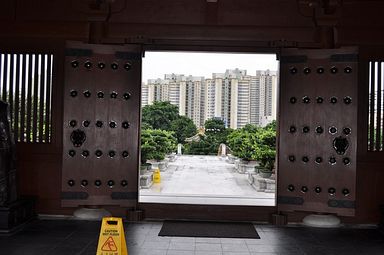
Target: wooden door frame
(212,212)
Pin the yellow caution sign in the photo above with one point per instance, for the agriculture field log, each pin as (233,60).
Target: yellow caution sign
(112,238)
(156,176)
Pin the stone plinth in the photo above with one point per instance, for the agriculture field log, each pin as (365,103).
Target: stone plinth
(271,186)
(321,221)
(146,180)
(91,213)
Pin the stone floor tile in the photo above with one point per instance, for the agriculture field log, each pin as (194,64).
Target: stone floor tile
(180,252)
(208,240)
(234,247)
(182,246)
(208,253)
(208,247)
(236,253)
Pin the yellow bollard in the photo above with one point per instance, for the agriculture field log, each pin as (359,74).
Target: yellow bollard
(156,176)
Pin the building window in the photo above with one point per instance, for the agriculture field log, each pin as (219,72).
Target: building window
(26,85)
(376,106)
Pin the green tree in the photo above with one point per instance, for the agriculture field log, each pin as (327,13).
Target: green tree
(255,143)
(156,143)
(214,126)
(145,125)
(265,148)
(183,127)
(165,143)
(205,146)
(271,126)
(160,115)
(148,145)
(215,129)
(242,142)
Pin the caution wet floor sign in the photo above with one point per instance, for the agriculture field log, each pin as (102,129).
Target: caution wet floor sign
(112,238)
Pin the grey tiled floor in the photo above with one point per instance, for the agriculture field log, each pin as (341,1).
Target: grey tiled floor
(201,179)
(80,237)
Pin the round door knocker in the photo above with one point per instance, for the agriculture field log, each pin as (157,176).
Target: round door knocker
(340,144)
(78,137)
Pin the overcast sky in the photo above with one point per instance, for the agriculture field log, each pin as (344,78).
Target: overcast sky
(156,64)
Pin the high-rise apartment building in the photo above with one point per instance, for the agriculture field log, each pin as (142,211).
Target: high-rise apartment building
(235,97)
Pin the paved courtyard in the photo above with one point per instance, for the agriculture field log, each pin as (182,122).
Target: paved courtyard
(193,179)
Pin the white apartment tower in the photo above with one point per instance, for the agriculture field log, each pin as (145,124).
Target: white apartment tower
(194,100)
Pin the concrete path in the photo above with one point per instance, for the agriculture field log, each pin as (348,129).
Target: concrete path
(193,179)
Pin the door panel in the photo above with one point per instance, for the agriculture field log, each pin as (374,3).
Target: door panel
(101,125)
(318,122)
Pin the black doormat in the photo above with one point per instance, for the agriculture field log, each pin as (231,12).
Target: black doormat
(208,229)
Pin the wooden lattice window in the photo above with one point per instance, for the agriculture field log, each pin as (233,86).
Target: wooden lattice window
(376,106)
(26,85)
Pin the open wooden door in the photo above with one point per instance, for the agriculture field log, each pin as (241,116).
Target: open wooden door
(101,125)
(318,131)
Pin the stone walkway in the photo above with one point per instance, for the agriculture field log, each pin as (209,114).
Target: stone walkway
(195,179)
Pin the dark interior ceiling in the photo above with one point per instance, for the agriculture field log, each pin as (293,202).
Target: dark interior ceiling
(357,22)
